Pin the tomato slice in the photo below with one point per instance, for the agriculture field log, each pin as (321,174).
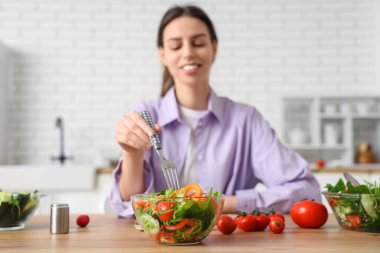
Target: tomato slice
(164,210)
(177,226)
(193,190)
(354,220)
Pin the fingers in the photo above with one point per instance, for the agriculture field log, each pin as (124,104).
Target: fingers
(141,123)
(132,132)
(158,128)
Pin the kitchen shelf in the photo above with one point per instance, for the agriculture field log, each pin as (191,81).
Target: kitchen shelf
(331,127)
(318,147)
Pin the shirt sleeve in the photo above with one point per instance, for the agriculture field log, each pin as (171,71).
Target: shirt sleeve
(121,207)
(283,171)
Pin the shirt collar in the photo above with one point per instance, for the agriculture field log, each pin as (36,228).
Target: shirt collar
(169,107)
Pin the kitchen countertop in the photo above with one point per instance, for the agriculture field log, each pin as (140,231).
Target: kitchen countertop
(107,233)
(354,168)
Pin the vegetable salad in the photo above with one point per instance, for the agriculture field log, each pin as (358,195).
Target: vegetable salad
(15,207)
(355,207)
(183,216)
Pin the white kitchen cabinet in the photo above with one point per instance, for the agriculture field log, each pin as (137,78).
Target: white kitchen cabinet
(331,127)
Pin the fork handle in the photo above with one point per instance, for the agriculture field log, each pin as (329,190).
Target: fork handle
(154,139)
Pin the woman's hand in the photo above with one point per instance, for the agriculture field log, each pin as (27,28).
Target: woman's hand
(132,134)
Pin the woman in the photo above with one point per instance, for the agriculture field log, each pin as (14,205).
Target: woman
(213,141)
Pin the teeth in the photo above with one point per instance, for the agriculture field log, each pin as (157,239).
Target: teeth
(190,67)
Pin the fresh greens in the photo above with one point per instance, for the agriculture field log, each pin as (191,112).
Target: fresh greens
(16,207)
(356,207)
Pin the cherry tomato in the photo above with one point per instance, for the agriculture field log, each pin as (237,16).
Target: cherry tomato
(276,225)
(226,224)
(83,220)
(246,223)
(309,214)
(354,220)
(320,163)
(262,221)
(165,210)
(272,215)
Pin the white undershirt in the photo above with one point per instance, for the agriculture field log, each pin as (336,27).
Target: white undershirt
(189,174)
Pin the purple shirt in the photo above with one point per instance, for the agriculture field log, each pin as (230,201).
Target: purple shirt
(236,149)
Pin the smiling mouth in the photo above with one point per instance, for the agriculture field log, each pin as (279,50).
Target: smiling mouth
(189,67)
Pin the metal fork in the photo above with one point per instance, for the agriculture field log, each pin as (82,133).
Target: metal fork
(168,167)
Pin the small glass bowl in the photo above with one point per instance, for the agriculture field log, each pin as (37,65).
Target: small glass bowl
(16,208)
(357,212)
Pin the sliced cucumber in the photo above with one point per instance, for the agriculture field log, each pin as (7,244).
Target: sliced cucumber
(149,224)
(5,196)
(369,205)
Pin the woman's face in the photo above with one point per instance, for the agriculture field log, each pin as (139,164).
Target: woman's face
(188,51)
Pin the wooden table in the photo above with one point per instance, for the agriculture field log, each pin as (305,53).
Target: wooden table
(110,234)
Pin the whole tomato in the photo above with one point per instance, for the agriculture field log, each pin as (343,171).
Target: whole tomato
(246,223)
(226,224)
(276,225)
(320,163)
(309,214)
(262,221)
(83,220)
(272,215)
(165,210)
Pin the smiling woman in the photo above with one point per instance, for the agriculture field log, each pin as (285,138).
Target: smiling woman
(214,141)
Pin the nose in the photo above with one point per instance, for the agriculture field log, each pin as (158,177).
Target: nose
(188,51)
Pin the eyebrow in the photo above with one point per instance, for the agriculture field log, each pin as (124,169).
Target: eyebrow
(192,37)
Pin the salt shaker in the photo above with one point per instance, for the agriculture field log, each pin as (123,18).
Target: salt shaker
(59,219)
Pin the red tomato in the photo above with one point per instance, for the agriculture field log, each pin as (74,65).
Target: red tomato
(354,220)
(262,221)
(272,215)
(246,223)
(165,210)
(177,226)
(309,214)
(226,224)
(320,163)
(276,225)
(83,220)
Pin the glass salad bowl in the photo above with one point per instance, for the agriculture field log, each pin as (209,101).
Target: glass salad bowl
(176,219)
(354,211)
(16,208)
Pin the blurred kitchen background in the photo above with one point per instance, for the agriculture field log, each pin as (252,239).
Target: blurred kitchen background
(70,68)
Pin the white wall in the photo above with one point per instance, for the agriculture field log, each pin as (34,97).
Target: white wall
(88,61)
(4,82)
